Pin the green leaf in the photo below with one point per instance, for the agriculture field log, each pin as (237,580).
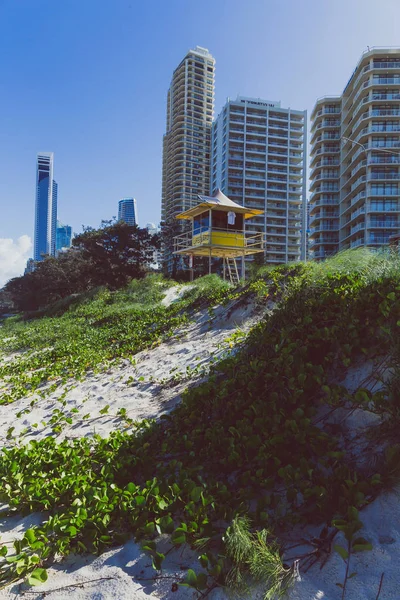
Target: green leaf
(104,410)
(362,396)
(203,559)
(37,577)
(339,524)
(157,561)
(166,524)
(72,530)
(149,546)
(201,581)
(360,540)
(149,528)
(30,536)
(196,493)
(362,547)
(341,551)
(352,513)
(191,578)
(178,537)
(215,571)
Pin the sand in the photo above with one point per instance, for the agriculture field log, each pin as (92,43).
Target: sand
(147,389)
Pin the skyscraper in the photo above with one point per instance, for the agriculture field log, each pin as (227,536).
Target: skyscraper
(259,161)
(355,158)
(63,236)
(157,258)
(127,211)
(187,141)
(45,208)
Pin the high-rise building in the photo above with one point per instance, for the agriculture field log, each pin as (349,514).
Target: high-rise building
(259,161)
(63,236)
(187,141)
(157,258)
(355,158)
(54,218)
(45,208)
(152,229)
(127,211)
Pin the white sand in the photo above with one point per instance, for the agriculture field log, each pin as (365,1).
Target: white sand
(116,572)
(145,389)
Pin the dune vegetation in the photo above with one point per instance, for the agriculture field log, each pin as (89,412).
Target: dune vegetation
(251,452)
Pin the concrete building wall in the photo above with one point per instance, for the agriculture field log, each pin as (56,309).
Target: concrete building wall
(187,141)
(355,159)
(259,161)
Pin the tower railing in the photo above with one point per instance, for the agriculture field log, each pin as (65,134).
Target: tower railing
(204,237)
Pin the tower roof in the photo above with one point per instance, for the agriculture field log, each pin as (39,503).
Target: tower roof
(220,202)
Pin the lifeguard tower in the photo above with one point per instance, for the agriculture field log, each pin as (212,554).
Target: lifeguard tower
(218,230)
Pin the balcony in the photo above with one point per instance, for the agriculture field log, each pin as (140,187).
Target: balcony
(325,187)
(323,240)
(385,81)
(383,207)
(393,64)
(383,128)
(325,150)
(385,112)
(355,214)
(329,111)
(384,160)
(324,227)
(324,201)
(383,175)
(378,239)
(383,224)
(322,254)
(326,137)
(360,196)
(329,214)
(358,227)
(332,174)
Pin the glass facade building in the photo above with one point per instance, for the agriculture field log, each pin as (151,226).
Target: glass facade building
(63,236)
(45,207)
(127,211)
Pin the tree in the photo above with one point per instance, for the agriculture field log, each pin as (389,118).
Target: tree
(119,252)
(108,256)
(52,279)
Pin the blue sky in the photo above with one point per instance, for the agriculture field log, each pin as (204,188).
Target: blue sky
(87,80)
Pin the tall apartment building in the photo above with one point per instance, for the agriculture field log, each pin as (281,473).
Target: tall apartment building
(45,208)
(127,211)
(157,257)
(187,141)
(63,236)
(259,161)
(355,158)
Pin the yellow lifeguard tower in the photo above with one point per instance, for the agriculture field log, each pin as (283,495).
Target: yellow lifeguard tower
(218,231)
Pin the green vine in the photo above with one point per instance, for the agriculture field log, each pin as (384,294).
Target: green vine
(249,440)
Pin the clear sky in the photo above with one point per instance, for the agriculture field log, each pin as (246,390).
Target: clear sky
(87,80)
